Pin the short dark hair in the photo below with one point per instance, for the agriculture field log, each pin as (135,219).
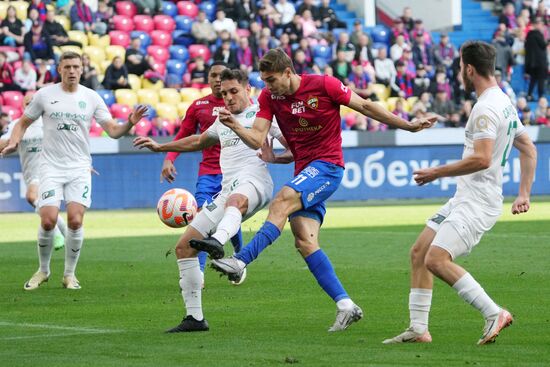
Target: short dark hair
(222,63)
(276,60)
(235,74)
(480,55)
(68,55)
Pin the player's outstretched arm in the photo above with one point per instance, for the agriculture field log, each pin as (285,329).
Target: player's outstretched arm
(116,130)
(379,113)
(528,164)
(16,135)
(267,154)
(191,143)
(479,160)
(254,137)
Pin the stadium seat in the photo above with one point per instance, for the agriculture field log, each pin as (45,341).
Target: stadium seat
(190,94)
(241,32)
(123,23)
(64,21)
(170,96)
(119,38)
(151,112)
(164,23)
(120,111)
(159,67)
(159,53)
(112,51)
(411,101)
(99,41)
(255,80)
(184,23)
(107,96)
(206,91)
(21,9)
(188,8)
(76,49)
(176,67)
(148,96)
(143,36)
(381,91)
(147,84)
(390,102)
(126,96)
(182,108)
(169,125)
(178,52)
(13,112)
(95,129)
(180,38)
(144,23)
(166,110)
(126,8)
(104,65)
(161,38)
(199,50)
(78,36)
(134,81)
(322,51)
(380,34)
(169,8)
(143,128)
(13,98)
(336,32)
(3,9)
(2,100)
(209,8)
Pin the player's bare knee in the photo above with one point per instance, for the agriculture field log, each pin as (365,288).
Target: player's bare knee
(417,254)
(48,224)
(434,262)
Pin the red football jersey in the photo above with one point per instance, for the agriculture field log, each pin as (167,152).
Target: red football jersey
(310,119)
(198,118)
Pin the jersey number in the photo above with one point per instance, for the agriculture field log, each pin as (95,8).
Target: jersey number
(512,126)
(299,179)
(86,190)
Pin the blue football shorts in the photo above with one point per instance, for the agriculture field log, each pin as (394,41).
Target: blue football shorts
(207,187)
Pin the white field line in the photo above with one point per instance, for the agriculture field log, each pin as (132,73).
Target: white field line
(488,234)
(71,330)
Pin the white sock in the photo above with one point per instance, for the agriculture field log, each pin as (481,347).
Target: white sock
(344,304)
(229,225)
(73,244)
(191,286)
(61,225)
(420,301)
(45,247)
(470,291)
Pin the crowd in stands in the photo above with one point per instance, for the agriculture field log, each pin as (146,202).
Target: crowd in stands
(153,45)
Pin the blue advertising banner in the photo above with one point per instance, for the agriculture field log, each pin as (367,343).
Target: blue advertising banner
(133,180)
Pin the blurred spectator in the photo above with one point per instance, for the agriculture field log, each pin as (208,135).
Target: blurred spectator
(45,77)
(403,82)
(40,7)
(222,23)
(202,30)
(373,125)
(6,74)
(360,83)
(294,29)
(420,30)
(341,67)
(524,111)
(400,109)
(245,56)
(304,46)
(385,69)
(396,50)
(4,122)
(136,61)
(13,29)
(84,19)
(505,86)
(309,5)
(518,49)
(408,59)
(149,7)
(25,77)
(199,74)
(226,54)
(232,10)
(105,13)
(441,84)
(250,10)
(309,28)
(407,18)
(300,64)
(287,11)
(263,47)
(356,33)
(426,99)
(56,31)
(543,11)
(444,52)
(363,51)
(89,74)
(359,123)
(421,82)
(465,112)
(346,46)
(31,18)
(540,112)
(268,15)
(536,61)
(443,107)
(508,16)
(328,16)
(422,53)
(398,29)
(63,7)
(38,44)
(504,56)
(284,43)
(116,75)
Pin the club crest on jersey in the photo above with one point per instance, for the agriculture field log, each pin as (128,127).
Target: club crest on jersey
(250,114)
(216,111)
(82,105)
(303,122)
(312,102)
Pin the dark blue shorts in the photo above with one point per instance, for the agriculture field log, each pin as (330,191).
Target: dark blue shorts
(207,187)
(317,182)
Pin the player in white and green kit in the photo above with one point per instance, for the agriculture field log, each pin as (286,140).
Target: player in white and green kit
(67,110)
(246,188)
(491,131)
(29,155)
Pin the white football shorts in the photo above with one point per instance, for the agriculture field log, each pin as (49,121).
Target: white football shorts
(70,186)
(31,170)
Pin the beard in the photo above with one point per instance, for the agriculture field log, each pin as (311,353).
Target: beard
(468,85)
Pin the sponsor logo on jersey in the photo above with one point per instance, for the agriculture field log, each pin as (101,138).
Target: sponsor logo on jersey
(250,114)
(54,102)
(311,195)
(313,102)
(48,194)
(438,218)
(67,116)
(216,111)
(34,149)
(202,102)
(82,105)
(308,129)
(277,98)
(230,142)
(298,107)
(303,122)
(68,127)
(311,171)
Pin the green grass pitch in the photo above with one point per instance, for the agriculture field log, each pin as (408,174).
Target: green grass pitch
(279,316)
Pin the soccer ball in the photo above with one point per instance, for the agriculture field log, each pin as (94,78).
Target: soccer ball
(177,208)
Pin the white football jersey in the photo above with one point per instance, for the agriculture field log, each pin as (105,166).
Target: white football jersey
(31,144)
(493,117)
(236,157)
(67,118)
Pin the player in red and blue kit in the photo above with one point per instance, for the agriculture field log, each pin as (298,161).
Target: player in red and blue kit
(307,109)
(199,117)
